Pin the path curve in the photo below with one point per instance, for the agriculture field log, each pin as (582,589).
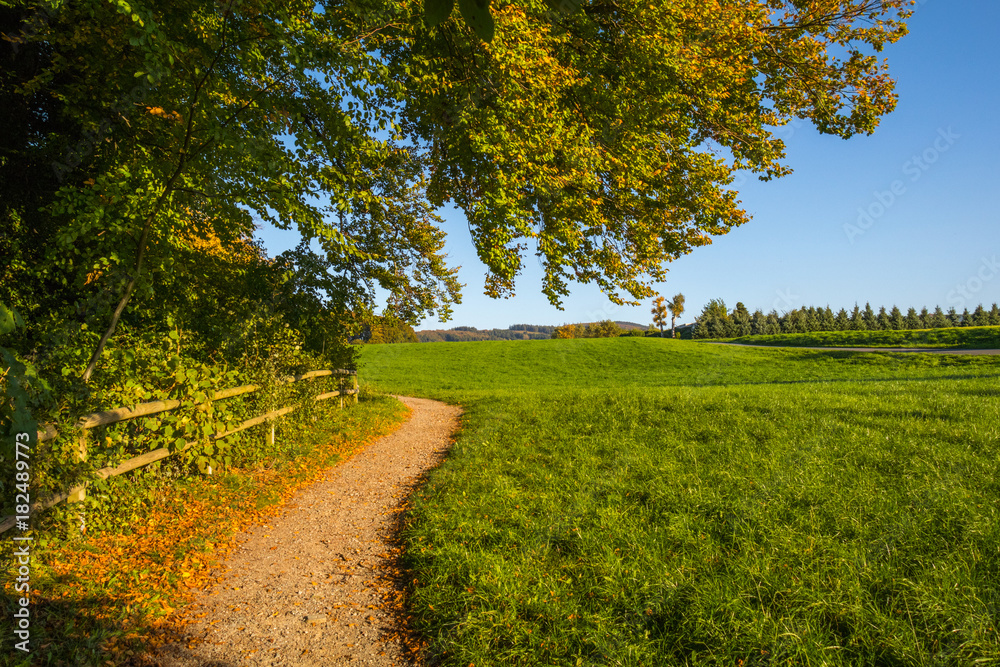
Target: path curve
(314,585)
(924,350)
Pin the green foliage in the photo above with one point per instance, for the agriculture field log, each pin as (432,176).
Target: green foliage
(585,139)
(22,393)
(477,14)
(714,321)
(176,365)
(437,11)
(602,329)
(147,130)
(199,121)
(387,330)
(717,322)
(658,502)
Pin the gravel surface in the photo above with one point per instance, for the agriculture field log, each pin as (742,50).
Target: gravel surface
(319,584)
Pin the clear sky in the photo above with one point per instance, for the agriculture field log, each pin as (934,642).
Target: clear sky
(908,216)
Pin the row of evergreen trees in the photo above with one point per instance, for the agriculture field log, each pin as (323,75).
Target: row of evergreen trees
(716,321)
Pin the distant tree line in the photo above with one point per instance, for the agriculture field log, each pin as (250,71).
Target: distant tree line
(716,321)
(465,333)
(602,329)
(532,328)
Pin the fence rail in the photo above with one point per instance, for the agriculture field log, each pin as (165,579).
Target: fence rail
(79,493)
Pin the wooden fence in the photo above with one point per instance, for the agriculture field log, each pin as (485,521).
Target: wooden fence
(86,422)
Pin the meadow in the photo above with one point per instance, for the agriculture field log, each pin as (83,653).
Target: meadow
(657,502)
(972,338)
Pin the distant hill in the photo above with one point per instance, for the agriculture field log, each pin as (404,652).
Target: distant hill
(458,334)
(513,332)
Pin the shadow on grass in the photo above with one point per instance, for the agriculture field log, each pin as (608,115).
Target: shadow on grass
(395,579)
(89,631)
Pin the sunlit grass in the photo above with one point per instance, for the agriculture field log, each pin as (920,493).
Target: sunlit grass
(644,502)
(953,337)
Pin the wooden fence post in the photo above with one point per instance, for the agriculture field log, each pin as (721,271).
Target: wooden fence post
(81,455)
(354,385)
(81,495)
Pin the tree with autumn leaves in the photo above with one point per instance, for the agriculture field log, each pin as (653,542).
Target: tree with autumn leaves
(676,308)
(602,138)
(659,312)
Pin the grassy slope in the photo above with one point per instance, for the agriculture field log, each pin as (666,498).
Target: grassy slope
(641,501)
(972,338)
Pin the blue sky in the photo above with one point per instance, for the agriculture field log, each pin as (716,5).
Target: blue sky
(907,216)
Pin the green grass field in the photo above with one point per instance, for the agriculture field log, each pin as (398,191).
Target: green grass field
(659,502)
(970,338)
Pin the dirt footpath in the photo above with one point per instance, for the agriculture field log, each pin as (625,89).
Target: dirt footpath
(317,585)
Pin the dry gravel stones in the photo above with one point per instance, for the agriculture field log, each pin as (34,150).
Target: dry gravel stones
(315,585)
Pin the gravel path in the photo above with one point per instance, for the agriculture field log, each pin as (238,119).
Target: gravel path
(319,584)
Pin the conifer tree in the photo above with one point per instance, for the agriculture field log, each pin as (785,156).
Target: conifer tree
(810,321)
(773,325)
(938,320)
(741,320)
(857,321)
(868,318)
(896,320)
(842,321)
(827,321)
(797,321)
(882,320)
(714,321)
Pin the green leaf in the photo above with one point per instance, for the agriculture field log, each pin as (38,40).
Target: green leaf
(477,14)
(7,321)
(437,12)
(564,6)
